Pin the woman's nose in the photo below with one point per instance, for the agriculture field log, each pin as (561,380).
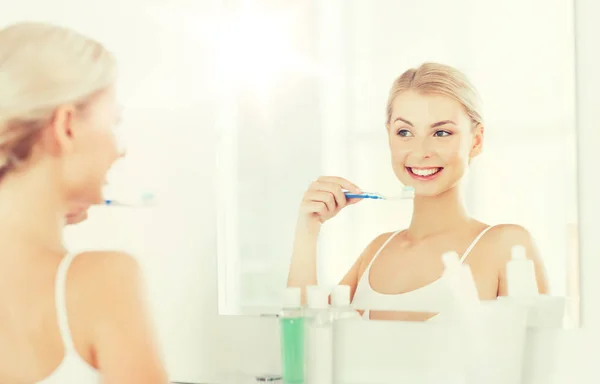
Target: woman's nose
(423,147)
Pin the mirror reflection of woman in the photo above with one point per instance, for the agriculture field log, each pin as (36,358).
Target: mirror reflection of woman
(435,130)
(64,318)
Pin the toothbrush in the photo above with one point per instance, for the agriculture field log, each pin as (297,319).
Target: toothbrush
(407,193)
(144,200)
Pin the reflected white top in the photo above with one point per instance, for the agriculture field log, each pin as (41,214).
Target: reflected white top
(423,299)
(72,369)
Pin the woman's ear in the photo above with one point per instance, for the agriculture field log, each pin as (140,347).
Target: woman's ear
(59,133)
(477,145)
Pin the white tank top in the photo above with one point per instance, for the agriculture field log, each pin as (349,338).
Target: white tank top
(73,369)
(429,298)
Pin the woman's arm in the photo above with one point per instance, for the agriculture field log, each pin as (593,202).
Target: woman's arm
(303,268)
(322,201)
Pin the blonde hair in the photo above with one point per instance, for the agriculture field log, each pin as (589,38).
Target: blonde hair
(439,79)
(42,67)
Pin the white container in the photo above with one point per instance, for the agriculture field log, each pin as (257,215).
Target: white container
(340,304)
(319,335)
(431,352)
(520,275)
(464,309)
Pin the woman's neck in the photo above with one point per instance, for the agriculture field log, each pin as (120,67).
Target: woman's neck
(437,214)
(31,211)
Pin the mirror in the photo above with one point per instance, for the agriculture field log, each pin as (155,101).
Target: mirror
(303,91)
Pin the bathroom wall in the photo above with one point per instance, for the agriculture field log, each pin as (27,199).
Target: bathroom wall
(581,347)
(175,242)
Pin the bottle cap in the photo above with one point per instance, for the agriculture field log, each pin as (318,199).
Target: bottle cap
(518,253)
(317,297)
(340,296)
(292,297)
(450,259)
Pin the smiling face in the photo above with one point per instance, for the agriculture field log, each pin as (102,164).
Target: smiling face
(432,141)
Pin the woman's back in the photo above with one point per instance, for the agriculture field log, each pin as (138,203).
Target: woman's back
(60,319)
(54,310)
(35,339)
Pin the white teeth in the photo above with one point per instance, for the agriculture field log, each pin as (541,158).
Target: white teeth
(424,171)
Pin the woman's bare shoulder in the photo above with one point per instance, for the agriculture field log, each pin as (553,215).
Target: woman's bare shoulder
(501,238)
(116,315)
(104,266)
(97,278)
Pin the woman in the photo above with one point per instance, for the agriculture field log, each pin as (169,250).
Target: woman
(435,130)
(63,318)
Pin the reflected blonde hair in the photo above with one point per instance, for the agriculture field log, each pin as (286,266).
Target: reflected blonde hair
(439,79)
(43,67)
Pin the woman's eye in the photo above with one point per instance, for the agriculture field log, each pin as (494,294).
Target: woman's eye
(404,133)
(442,133)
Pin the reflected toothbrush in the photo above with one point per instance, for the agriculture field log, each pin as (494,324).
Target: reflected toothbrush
(407,193)
(144,199)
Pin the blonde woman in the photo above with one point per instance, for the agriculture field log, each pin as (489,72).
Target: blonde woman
(435,129)
(64,318)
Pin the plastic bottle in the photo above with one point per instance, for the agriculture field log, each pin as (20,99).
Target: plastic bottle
(520,275)
(543,311)
(319,341)
(340,303)
(465,314)
(292,327)
(460,280)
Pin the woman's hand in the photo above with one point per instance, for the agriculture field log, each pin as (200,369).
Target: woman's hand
(325,198)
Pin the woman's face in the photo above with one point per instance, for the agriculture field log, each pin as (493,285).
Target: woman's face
(90,148)
(432,141)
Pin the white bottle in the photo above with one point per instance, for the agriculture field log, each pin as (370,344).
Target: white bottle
(464,312)
(460,280)
(520,275)
(340,303)
(319,336)
(521,286)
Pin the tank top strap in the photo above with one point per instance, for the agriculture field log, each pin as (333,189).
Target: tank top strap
(60,297)
(381,249)
(474,243)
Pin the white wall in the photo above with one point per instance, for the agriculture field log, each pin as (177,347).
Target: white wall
(581,349)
